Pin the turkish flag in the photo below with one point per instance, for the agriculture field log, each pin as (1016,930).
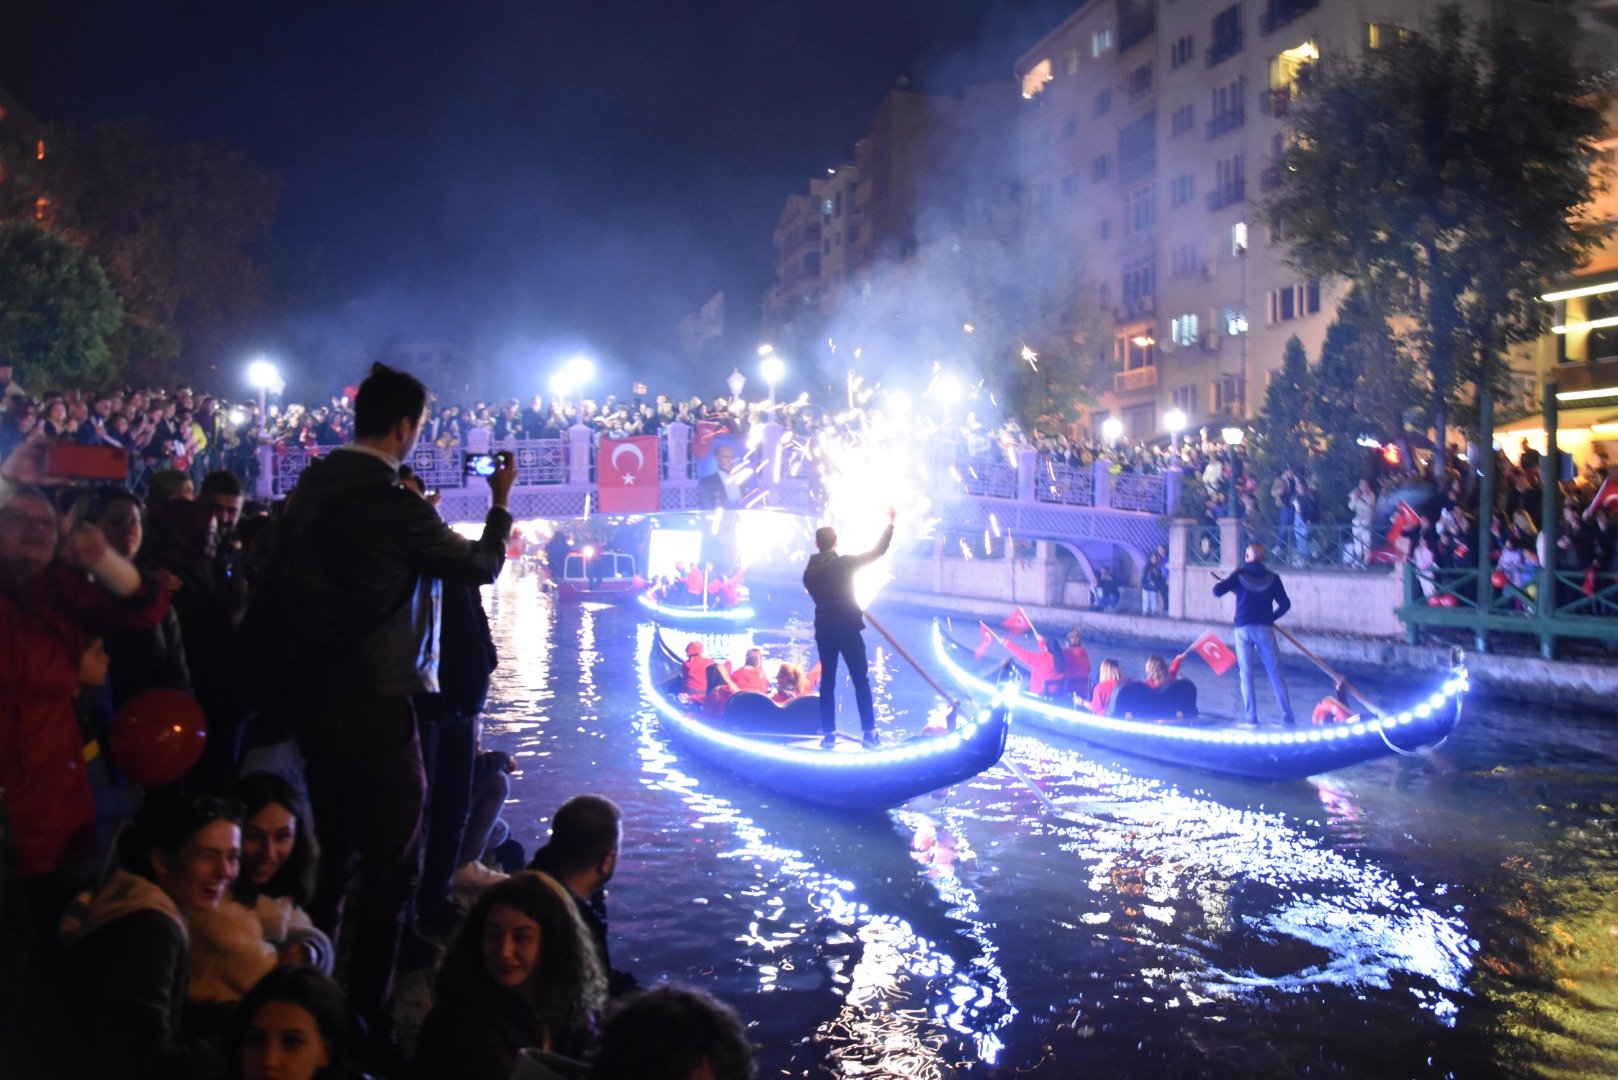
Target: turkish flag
(1018,622)
(986,637)
(1606,497)
(1404,518)
(627,475)
(703,441)
(1590,580)
(1216,652)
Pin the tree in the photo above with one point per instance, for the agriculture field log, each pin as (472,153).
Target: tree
(1284,432)
(175,225)
(57,308)
(1444,175)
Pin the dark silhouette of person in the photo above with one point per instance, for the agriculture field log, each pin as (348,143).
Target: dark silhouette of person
(829,579)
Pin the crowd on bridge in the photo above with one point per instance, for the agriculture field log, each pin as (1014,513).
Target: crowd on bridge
(215,714)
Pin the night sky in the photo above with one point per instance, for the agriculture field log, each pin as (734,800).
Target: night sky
(520,178)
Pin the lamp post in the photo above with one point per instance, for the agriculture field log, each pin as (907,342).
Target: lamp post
(1175,421)
(1112,429)
(736,381)
(773,368)
(580,370)
(1233,438)
(262,375)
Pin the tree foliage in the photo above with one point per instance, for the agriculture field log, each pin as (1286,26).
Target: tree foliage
(1443,175)
(57,308)
(176,226)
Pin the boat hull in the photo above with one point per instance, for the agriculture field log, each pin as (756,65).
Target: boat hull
(728,619)
(853,779)
(1282,753)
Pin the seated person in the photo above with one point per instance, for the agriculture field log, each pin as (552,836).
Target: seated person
(1160,672)
(672,1033)
(294,1022)
(1107,680)
(718,692)
(521,973)
(1043,676)
(750,676)
(1075,664)
(1104,597)
(694,672)
(789,683)
(127,944)
(278,869)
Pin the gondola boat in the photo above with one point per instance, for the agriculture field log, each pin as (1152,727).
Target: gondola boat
(1221,746)
(777,747)
(699,618)
(608,577)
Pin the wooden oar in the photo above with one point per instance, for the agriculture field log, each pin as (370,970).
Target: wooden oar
(1016,770)
(1337,677)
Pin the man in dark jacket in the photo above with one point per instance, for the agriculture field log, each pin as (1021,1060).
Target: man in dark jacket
(829,579)
(1260,600)
(350,611)
(582,854)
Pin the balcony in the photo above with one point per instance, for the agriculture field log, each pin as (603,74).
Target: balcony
(1226,121)
(1271,178)
(1135,307)
(1134,26)
(1227,194)
(1224,48)
(1135,380)
(1275,102)
(1277,13)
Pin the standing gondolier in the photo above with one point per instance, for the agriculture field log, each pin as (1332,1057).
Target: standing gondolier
(829,579)
(1260,600)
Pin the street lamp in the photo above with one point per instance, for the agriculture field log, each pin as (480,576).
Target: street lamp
(263,375)
(1175,421)
(574,374)
(1233,438)
(773,368)
(1112,429)
(736,382)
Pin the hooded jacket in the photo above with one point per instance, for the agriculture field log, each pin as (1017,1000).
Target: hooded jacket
(127,950)
(829,579)
(350,607)
(1260,597)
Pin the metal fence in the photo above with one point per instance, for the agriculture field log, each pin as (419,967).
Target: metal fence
(1202,545)
(1145,492)
(1318,547)
(989,476)
(1061,482)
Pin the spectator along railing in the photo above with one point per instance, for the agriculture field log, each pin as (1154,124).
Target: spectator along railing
(1547,604)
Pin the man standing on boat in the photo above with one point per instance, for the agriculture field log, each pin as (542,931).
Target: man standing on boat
(1260,600)
(829,579)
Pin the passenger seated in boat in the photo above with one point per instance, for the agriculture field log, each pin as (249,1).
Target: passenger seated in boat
(718,692)
(1044,664)
(750,676)
(790,682)
(1075,664)
(694,672)
(1109,676)
(1160,672)
(1174,700)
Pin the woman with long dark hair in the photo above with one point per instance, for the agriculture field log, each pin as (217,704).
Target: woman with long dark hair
(293,1025)
(522,973)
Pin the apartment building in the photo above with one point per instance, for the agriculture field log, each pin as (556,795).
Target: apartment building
(1150,135)
(23,151)
(797,265)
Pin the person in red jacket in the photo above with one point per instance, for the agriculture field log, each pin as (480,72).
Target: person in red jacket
(694,672)
(49,610)
(750,676)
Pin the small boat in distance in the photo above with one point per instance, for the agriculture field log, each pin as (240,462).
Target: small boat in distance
(607,576)
(1221,746)
(696,617)
(777,747)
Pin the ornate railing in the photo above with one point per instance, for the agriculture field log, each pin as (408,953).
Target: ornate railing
(1145,492)
(1061,482)
(1319,547)
(993,477)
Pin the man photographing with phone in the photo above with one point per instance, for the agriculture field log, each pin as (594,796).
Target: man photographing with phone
(345,626)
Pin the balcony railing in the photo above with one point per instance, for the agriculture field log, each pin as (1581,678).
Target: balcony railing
(1224,48)
(1277,13)
(1223,196)
(1229,120)
(1275,102)
(1135,379)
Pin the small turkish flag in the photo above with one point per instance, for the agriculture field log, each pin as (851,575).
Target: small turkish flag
(1018,622)
(1605,498)
(1404,518)
(1216,652)
(1590,580)
(627,475)
(987,639)
(703,441)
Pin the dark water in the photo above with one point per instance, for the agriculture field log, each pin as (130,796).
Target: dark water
(1455,915)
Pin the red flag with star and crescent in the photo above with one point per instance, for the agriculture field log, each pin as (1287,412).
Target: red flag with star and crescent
(1216,652)
(627,475)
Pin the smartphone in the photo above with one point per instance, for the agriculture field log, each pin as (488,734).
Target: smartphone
(479,465)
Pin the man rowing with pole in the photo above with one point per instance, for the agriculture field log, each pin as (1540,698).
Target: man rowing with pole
(1260,600)
(829,580)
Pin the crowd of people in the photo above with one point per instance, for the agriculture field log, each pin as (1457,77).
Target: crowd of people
(240,905)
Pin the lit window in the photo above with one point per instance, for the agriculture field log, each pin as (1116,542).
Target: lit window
(1185,331)
(1100,41)
(42,208)
(1381,35)
(1034,80)
(1289,65)
(39,151)
(1238,238)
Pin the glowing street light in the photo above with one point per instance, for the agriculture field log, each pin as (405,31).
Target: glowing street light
(264,376)
(1112,429)
(948,389)
(1233,435)
(1175,421)
(774,369)
(736,381)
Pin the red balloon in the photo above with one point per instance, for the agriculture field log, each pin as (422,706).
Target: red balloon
(1498,579)
(1448,600)
(157,736)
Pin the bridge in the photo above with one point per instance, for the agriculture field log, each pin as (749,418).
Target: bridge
(1028,495)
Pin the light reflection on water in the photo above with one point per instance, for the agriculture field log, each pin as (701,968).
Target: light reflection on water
(1454,917)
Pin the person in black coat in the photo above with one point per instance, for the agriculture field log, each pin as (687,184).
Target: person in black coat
(829,579)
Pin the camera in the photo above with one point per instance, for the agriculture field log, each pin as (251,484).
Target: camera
(484,464)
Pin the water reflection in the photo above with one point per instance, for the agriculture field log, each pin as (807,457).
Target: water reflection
(914,1005)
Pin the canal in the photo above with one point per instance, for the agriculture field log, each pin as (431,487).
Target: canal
(1447,915)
